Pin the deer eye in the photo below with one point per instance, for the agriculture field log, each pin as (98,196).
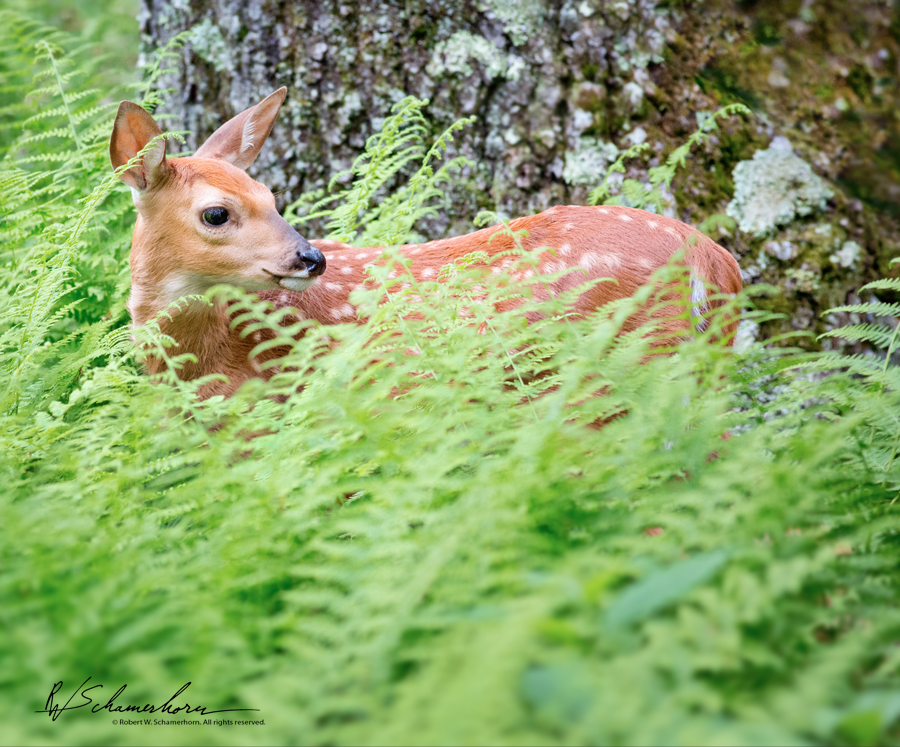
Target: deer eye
(216,216)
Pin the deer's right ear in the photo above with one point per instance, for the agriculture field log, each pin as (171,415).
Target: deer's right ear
(132,130)
(240,139)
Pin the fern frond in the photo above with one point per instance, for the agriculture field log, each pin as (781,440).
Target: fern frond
(872,308)
(890,284)
(878,335)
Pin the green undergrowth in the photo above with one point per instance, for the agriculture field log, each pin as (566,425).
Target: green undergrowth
(413,533)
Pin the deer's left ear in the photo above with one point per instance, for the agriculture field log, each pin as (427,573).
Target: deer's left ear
(240,139)
(133,129)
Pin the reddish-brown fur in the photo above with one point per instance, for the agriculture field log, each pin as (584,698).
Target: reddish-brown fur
(172,256)
(607,242)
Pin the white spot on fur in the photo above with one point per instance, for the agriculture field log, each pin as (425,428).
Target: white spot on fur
(590,262)
(626,218)
(428,272)
(570,226)
(333,286)
(417,250)
(604,211)
(362,255)
(653,224)
(346,270)
(565,250)
(671,231)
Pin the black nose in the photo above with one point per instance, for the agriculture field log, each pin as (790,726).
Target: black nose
(311,258)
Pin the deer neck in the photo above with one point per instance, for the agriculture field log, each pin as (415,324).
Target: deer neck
(204,332)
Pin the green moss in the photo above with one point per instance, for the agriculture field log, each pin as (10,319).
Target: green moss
(725,85)
(767,34)
(861,81)
(590,71)
(825,92)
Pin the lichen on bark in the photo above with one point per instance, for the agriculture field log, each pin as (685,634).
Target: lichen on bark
(775,188)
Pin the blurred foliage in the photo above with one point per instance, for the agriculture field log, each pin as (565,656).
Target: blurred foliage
(378,547)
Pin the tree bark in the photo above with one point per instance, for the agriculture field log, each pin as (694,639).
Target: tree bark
(548,81)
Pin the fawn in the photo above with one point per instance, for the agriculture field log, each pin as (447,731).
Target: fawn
(203,221)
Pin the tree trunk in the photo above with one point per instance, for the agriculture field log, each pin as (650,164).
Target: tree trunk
(550,83)
(559,88)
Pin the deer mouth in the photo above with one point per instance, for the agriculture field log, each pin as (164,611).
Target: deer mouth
(296,281)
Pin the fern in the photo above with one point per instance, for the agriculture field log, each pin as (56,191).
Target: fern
(879,336)
(400,142)
(639,195)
